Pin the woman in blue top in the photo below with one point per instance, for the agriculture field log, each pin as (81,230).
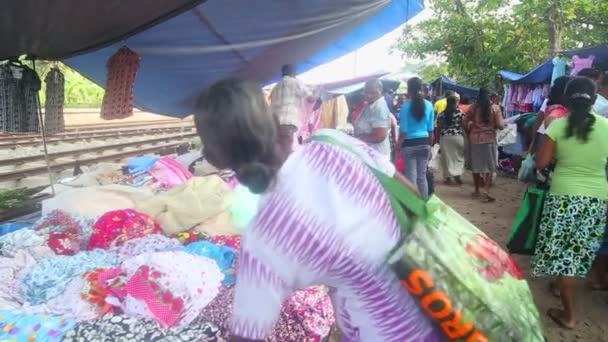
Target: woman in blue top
(417,122)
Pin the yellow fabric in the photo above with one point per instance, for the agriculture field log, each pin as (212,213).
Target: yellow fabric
(94,201)
(200,201)
(334,113)
(341,111)
(440,106)
(327,114)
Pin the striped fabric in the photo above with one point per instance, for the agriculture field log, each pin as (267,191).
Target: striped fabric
(327,221)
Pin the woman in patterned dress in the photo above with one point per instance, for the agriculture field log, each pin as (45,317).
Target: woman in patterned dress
(574,214)
(318,223)
(451,142)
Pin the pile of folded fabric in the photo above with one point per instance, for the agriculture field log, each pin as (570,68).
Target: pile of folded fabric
(142,252)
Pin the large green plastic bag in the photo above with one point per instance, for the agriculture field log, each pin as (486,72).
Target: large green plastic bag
(483,285)
(463,280)
(524,231)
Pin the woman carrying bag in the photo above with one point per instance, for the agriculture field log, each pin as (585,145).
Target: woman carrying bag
(574,213)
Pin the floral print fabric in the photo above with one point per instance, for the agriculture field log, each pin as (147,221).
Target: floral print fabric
(289,327)
(117,227)
(571,232)
(121,328)
(224,256)
(16,326)
(64,232)
(169,287)
(49,277)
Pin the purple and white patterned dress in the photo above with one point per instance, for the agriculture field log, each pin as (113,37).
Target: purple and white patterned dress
(326,220)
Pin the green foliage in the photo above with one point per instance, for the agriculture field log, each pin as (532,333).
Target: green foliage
(10,199)
(432,72)
(478,38)
(79,91)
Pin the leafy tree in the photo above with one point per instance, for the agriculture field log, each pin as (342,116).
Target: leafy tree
(79,91)
(477,38)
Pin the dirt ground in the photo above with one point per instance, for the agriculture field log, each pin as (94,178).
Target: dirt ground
(495,219)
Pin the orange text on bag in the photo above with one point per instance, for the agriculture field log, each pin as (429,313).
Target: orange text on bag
(438,305)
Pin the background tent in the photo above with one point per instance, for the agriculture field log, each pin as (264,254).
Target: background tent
(219,39)
(443,83)
(600,53)
(541,74)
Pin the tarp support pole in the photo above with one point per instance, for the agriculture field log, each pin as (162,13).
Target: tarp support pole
(43,134)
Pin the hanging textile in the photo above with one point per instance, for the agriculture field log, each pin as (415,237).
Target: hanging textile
(118,99)
(581,63)
(19,86)
(559,68)
(53,110)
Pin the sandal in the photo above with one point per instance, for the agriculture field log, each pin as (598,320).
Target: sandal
(486,198)
(557,317)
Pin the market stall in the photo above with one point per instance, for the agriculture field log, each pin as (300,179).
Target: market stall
(442,84)
(147,251)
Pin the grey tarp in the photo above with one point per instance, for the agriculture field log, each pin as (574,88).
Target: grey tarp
(55,29)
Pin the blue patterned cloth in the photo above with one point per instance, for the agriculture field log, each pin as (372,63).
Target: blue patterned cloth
(224,256)
(19,327)
(50,276)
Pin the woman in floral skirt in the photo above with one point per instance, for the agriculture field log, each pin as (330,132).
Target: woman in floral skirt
(574,214)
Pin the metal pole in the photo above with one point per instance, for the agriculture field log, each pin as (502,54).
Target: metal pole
(43,133)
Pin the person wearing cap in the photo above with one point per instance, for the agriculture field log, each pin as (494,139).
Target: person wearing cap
(574,213)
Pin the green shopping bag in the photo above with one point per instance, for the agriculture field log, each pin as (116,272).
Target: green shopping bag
(524,230)
(469,286)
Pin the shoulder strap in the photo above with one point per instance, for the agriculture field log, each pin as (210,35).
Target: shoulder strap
(400,196)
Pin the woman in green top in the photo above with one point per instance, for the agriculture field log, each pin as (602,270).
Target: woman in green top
(574,215)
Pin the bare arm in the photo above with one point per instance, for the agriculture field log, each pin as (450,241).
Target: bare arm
(546,153)
(500,121)
(539,121)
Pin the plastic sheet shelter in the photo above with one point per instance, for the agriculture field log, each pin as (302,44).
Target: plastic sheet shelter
(233,38)
(541,74)
(600,52)
(443,83)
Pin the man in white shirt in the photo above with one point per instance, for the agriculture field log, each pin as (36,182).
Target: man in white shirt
(287,102)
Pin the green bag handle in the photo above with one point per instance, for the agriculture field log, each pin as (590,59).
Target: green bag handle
(400,196)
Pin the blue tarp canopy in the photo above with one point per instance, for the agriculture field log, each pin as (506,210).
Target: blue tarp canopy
(541,74)
(447,84)
(234,38)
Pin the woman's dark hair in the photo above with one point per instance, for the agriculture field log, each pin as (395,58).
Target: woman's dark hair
(484,104)
(556,94)
(450,110)
(465,100)
(591,73)
(581,95)
(239,132)
(414,90)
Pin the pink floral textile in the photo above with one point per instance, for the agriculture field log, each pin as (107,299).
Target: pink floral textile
(169,173)
(312,307)
(115,228)
(170,287)
(64,233)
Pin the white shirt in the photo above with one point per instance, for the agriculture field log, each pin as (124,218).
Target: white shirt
(601,106)
(287,101)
